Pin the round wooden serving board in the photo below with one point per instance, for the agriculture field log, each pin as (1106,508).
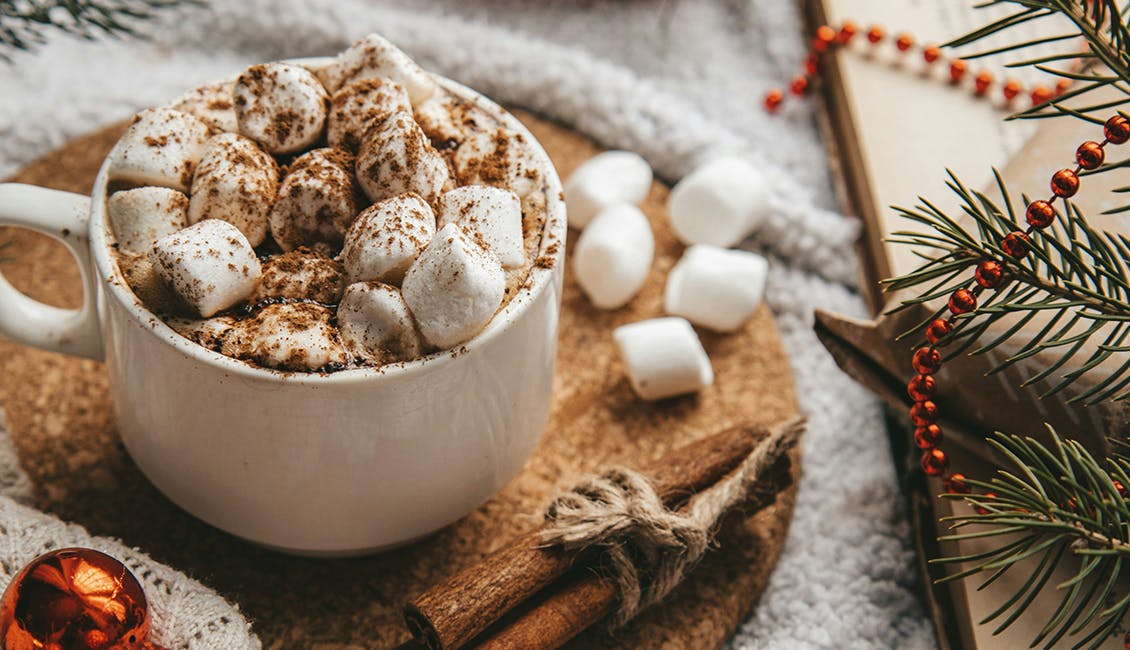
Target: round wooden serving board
(59,412)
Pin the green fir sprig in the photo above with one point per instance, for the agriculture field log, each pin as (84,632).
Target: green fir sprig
(24,24)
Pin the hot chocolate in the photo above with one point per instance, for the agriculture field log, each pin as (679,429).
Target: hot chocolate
(316,218)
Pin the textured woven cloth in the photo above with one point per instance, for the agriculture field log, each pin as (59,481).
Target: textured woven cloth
(678,82)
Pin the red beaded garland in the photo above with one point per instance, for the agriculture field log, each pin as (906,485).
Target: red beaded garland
(1090,155)
(928,437)
(810,65)
(825,36)
(1117,129)
(1040,214)
(927,361)
(1061,86)
(989,496)
(875,34)
(1015,244)
(847,32)
(799,85)
(989,274)
(1010,89)
(934,462)
(924,413)
(957,70)
(982,82)
(931,53)
(962,301)
(955,484)
(921,387)
(1065,183)
(773,100)
(1041,94)
(904,42)
(938,329)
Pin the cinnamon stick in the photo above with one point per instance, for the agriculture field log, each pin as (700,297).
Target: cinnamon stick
(587,598)
(451,614)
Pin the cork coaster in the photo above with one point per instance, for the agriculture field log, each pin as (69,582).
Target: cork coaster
(61,419)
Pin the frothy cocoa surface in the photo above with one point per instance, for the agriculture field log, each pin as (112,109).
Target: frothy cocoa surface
(289,320)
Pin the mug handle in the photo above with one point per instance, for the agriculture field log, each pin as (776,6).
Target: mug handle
(63,216)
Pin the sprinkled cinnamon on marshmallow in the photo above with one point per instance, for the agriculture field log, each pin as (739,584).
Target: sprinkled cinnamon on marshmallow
(317,201)
(281,106)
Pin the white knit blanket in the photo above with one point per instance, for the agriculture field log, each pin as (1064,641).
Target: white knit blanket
(678,82)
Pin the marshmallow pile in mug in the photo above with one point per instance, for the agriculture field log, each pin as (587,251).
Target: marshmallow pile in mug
(316,219)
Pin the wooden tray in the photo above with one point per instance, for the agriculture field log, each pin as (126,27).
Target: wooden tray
(61,419)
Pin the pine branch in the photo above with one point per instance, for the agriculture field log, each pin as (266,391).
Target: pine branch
(1057,502)
(24,24)
(1077,275)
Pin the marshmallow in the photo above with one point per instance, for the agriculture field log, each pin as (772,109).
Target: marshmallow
(300,274)
(718,204)
(716,287)
(663,357)
(386,238)
(396,157)
(604,180)
(143,215)
(145,280)
(358,104)
(210,265)
(316,201)
(373,56)
(613,255)
(376,323)
(445,120)
(218,333)
(161,147)
(495,214)
(281,106)
(236,181)
(212,103)
(290,336)
(501,158)
(454,287)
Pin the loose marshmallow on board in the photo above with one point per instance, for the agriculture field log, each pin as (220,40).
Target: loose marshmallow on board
(719,203)
(494,213)
(300,274)
(358,104)
(454,287)
(663,357)
(317,200)
(161,147)
(143,215)
(376,322)
(210,265)
(613,255)
(290,336)
(236,181)
(396,157)
(211,103)
(386,238)
(716,287)
(281,106)
(373,56)
(605,180)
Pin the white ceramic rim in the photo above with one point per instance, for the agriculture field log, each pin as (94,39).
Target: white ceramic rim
(539,279)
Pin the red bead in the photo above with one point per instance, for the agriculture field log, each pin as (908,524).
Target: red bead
(989,274)
(847,31)
(1041,94)
(962,301)
(934,462)
(1065,183)
(928,437)
(937,330)
(927,361)
(875,34)
(1040,214)
(825,36)
(1117,129)
(988,496)
(955,484)
(1015,244)
(982,82)
(1089,155)
(773,100)
(1061,86)
(924,413)
(921,387)
(1010,89)
(1119,487)
(957,70)
(931,54)
(810,65)
(1126,639)
(904,42)
(800,83)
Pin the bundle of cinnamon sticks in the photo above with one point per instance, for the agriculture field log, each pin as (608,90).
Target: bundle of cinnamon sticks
(528,596)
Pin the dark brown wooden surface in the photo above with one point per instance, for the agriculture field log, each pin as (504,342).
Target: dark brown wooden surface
(63,424)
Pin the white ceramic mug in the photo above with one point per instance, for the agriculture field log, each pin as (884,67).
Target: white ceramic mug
(335,464)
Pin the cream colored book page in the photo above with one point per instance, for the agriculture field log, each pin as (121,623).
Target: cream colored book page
(910,122)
